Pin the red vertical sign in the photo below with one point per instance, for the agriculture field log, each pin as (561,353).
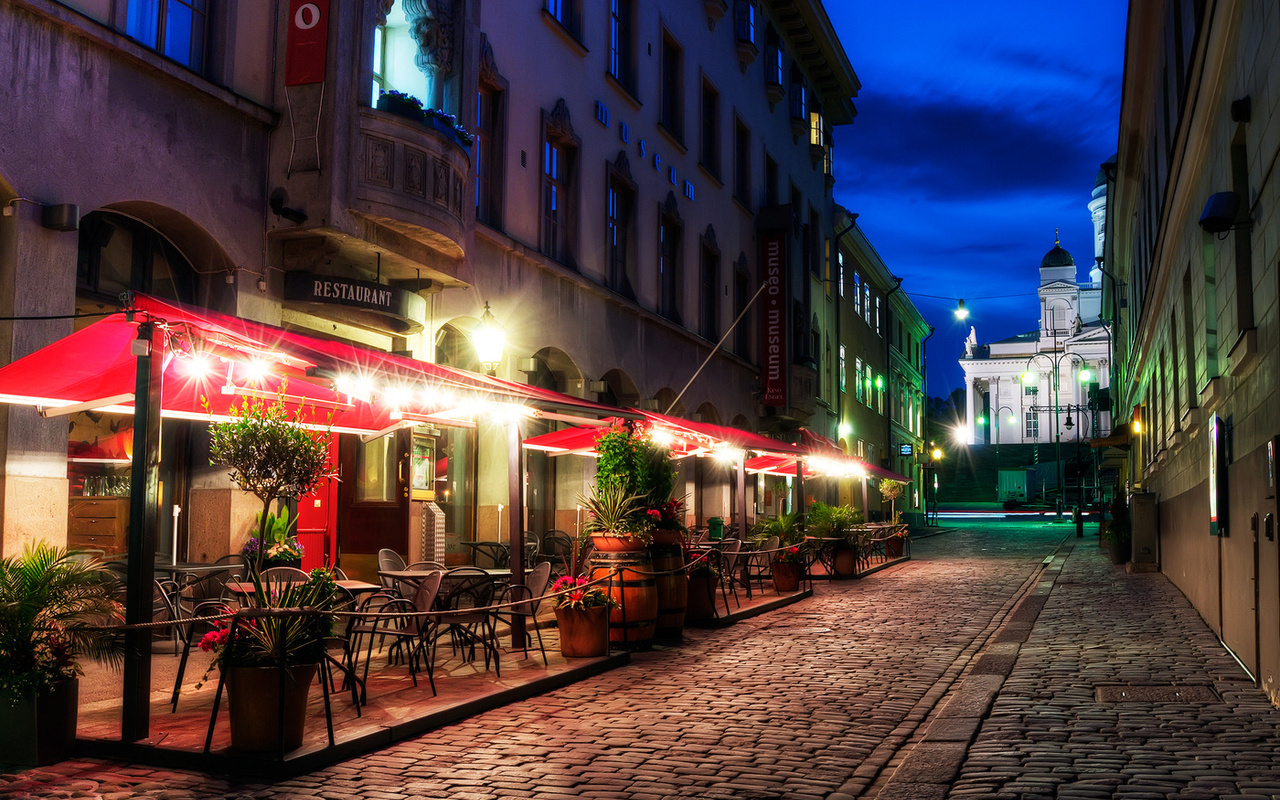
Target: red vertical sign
(773,326)
(308,43)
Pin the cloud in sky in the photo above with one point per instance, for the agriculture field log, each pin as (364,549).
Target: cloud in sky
(980,131)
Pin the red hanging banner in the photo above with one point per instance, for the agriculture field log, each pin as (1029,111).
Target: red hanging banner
(773,325)
(308,44)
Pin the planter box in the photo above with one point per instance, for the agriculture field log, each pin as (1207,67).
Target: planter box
(39,728)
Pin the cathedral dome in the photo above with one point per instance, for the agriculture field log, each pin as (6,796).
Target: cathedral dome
(1057,257)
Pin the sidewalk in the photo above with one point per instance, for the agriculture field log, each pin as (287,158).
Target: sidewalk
(1005,660)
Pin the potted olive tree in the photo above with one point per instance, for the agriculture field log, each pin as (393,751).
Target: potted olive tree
(274,457)
(55,608)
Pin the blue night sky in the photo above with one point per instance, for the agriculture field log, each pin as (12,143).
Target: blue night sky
(980,130)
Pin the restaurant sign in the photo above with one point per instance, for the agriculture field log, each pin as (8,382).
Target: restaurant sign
(357,302)
(773,326)
(307,44)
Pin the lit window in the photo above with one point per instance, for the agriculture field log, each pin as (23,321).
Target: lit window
(175,28)
(842,366)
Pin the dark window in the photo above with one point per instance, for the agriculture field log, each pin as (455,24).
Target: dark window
(622,49)
(118,254)
(487,152)
(710,151)
(669,235)
(744,21)
(556,171)
(566,12)
(799,96)
(672,83)
(621,213)
(709,292)
(175,28)
(773,72)
(742,162)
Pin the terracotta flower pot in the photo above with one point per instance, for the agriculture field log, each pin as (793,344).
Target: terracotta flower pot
(254,697)
(786,576)
(608,543)
(845,562)
(584,632)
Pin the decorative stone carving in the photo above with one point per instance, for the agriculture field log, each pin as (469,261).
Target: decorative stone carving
(440,184)
(415,172)
(379,161)
(709,238)
(380,10)
(431,25)
(670,207)
(488,65)
(559,126)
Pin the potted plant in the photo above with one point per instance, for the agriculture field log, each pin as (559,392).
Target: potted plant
(281,548)
(1119,533)
(835,529)
(54,610)
(272,456)
(582,615)
(891,490)
(787,564)
(268,657)
(615,520)
(400,104)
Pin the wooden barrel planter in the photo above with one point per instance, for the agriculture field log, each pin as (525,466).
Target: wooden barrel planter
(632,624)
(672,587)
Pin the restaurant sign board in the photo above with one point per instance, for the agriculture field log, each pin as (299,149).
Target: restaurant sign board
(773,326)
(395,309)
(307,44)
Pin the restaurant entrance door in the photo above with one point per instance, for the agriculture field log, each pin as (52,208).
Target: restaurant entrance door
(373,501)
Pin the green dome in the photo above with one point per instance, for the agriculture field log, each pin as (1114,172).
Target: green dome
(1057,257)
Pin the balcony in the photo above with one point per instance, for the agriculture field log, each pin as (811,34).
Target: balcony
(411,177)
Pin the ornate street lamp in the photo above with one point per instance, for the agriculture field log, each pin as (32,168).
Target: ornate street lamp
(489,338)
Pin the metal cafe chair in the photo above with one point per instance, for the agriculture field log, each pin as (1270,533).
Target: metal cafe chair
(465,597)
(530,594)
(497,554)
(389,560)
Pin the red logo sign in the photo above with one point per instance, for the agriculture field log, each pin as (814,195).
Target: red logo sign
(308,42)
(773,326)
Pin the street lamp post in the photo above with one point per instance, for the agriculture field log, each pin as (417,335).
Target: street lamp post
(1028,377)
(996,422)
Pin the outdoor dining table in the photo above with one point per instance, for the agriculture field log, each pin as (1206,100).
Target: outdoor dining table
(245,588)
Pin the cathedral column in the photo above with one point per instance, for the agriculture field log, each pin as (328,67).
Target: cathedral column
(970,395)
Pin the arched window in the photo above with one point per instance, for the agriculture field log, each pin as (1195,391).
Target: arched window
(118,253)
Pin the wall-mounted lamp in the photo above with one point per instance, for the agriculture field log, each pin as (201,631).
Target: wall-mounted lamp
(279,204)
(62,217)
(489,339)
(1221,212)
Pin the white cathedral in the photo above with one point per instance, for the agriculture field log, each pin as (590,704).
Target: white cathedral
(1035,387)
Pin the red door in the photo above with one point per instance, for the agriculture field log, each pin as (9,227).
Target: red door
(317,525)
(373,501)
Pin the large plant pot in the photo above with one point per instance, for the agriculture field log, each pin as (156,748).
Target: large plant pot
(38,728)
(845,562)
(634,589)
(672,587)
(584,632)
(668,536)
(1121,551)
(607,543)
(786,576)
(701,598)
(893,547)
(255,698)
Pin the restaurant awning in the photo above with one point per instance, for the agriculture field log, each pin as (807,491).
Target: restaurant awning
(822,458)
(684,437)
(212,361)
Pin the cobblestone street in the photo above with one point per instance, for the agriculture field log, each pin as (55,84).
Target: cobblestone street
(974,669)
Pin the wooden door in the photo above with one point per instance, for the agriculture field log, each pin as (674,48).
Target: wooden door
(373,501)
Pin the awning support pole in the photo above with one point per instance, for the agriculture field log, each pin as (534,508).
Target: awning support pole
(515,521)
(144,503)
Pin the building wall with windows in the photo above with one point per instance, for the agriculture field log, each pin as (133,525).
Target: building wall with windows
(600,175)
(1194,304)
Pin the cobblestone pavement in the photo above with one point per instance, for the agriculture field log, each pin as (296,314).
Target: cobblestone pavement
(871,688)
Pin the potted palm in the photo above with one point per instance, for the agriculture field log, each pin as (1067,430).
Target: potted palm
(268,656)
(55,608)
(582,615)
(274,457)
(834,528)
(787,564)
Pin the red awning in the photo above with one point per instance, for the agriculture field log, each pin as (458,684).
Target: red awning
(685,437)
(212,361)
